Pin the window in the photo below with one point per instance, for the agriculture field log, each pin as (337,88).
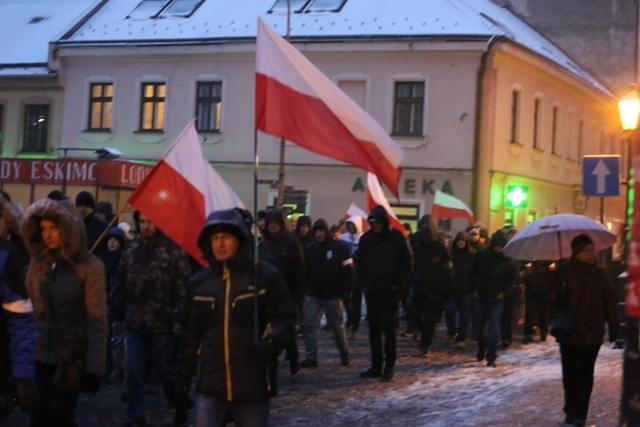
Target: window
(208,106)
(152,106)
(536,122)
(554,130)
(407,213)
(409,108)
(183,8)
(100,105)
(35,130)
(281,6)
(147,9)
(515,111)
(326,5)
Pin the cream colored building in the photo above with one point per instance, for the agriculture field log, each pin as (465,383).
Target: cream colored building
(460,85)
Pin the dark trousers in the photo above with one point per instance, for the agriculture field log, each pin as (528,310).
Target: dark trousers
(354,309)
(215,413)
(536,312)
(55,407)
(577,378)
(457,311)
(487,311)
(428,307)
(382,313)
(510,313)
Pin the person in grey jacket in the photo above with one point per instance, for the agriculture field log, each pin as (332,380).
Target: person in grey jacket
(235,365)
(67,288)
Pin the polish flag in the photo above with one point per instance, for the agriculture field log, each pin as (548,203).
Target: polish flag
(446,206)
(181,190)
(294,100)
(375,196)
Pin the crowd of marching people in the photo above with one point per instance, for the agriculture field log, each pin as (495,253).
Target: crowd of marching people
(85,301)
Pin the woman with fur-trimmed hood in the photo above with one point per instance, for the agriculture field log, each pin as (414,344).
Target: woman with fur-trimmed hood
(67,287)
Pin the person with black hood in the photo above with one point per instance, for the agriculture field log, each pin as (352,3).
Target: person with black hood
(585,289)
(285,253)
(116,242)
(94,226)
(431,277)
(384,264)
(235,365)
(67,288)
(329,268)
(458,307)
(303,231)
(491,275)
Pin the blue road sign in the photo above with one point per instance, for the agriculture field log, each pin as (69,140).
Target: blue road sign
(601,176)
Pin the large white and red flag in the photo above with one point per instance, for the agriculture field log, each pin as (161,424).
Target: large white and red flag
(446,206)
(296,101)
(181,190)
(375,196)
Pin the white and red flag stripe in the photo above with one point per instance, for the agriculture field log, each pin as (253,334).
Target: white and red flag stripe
(296,101)
(375,196)
(446,206)
(181,190)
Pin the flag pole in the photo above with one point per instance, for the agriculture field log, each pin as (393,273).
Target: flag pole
(281,171)
(255,233)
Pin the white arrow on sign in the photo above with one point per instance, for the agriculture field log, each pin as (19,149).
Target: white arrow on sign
(600,171)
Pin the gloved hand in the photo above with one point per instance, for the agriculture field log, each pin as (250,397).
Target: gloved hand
(90,383)
(26,394)
(264,350)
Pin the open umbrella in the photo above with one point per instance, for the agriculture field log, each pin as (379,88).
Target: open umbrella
(549,238)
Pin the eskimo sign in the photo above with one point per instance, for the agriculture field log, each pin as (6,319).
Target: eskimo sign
(113,173)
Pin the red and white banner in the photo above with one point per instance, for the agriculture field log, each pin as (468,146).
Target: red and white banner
(294,100)
(375,196)
(446,206)
(182,190)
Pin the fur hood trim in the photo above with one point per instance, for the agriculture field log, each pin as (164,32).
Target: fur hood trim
(70,224)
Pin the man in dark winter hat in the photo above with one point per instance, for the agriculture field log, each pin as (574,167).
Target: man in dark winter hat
(329,277)
(94,226)
(236,365)
(384,263)
(491,275)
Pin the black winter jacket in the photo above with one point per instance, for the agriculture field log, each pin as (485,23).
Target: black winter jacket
(384,261)
(491,273)
(218,331)
(329,267)
(432,274)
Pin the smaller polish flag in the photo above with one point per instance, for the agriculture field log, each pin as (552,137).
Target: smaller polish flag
(181,190)
(375,196)
(446,206)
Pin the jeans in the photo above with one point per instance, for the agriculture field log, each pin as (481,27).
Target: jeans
(382,316)
(458,315)
(488,310)
(145,351)
(333,310)
(216,413)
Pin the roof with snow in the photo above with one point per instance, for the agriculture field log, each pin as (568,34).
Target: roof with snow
(221,21)
(27,27)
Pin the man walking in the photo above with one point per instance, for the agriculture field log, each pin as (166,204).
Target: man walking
(154,272)
(329,279)
(384,264)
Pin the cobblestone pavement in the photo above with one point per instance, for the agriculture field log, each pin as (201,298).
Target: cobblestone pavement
(448,388)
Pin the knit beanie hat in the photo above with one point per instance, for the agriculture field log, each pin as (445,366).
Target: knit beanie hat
(579,243)
(84,198)
(497,239)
